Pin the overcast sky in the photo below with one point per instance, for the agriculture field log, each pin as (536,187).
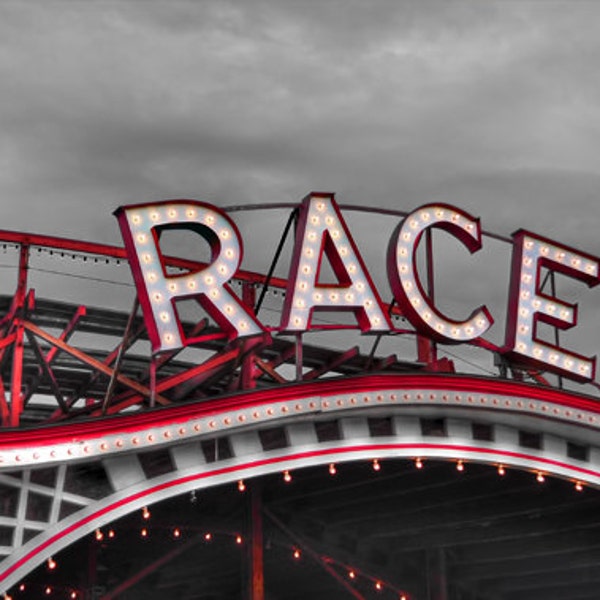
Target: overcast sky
(491,106)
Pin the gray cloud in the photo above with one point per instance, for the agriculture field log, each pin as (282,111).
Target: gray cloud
(398,98)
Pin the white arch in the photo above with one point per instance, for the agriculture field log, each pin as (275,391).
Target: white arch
(459,403)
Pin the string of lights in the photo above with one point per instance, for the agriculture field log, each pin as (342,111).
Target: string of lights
(80,256)
(296,550)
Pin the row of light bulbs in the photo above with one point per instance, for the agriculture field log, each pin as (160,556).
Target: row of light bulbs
(50,591)
(540,476)
(352,573)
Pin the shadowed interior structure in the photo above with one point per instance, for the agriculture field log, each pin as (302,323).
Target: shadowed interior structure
(347,531)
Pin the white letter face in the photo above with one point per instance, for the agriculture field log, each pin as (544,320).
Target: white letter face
(405,281)
(528,304)
(322,230)
(140,226)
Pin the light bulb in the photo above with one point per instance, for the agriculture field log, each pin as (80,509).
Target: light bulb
(287,477)
(332,469)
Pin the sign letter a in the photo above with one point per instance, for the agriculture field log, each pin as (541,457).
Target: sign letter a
(322,231)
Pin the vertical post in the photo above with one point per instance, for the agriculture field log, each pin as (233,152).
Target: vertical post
(152,380)
(426,349)
(257,582)
(299,357)
(249,300)
(4,406)
(122,348)
(436,573)
(16,395)
(90,586)
(556,330)
(429,262)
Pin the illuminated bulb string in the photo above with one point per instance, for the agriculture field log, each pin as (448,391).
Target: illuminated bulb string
(54,591)
(74,276)
(355,575)
(95,258)
(296,551)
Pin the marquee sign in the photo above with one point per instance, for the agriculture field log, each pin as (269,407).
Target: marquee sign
(323,233)
(232,416)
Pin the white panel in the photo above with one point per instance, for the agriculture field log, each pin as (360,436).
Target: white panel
(123,471)
(595,457)
(459,430)
(245,444)
(407,427)
(555,446)
(302,434)
(506,436)
(354,427)
(188,456)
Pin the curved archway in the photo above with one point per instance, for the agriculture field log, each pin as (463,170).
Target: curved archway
(429,416)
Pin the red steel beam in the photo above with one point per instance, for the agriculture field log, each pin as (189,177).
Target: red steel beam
(20,303)
(47,359)
(151,568)
(92,362)
(332,365)
(315,556)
